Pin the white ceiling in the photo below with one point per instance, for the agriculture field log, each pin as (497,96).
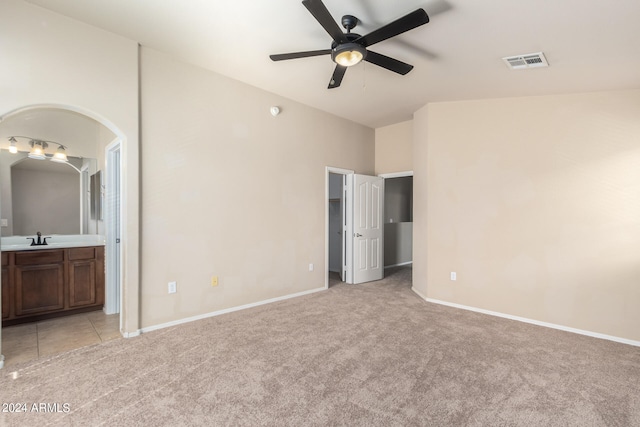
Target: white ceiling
(590,45)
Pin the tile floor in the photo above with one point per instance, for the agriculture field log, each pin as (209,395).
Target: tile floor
(30,341)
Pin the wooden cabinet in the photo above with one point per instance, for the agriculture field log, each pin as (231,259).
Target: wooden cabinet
(85,266)
(46,283)
(38,282)
(5,285)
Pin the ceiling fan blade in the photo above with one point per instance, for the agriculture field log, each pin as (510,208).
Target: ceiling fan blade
(295,55)
(388,63)
(338,74)
(322,15)
(399,26)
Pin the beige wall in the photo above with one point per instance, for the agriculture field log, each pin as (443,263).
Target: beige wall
(394,148)
(228,190)
(398,243)
(58,62)
(535,203)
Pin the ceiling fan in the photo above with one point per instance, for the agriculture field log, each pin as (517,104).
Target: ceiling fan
(349,48)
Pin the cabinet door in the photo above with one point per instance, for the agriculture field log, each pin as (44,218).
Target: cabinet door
(82,283)
(5,292)
(39,288)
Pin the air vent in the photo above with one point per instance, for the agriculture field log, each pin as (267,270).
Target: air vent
(530,60)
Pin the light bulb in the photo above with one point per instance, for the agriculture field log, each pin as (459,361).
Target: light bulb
(60,155)
(349,58)
(37,152)
(348,54)
(12,146)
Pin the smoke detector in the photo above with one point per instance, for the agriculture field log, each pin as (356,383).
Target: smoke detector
(529,60)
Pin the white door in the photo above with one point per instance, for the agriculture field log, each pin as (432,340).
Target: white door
(118,231)
(368,228)
(113,229)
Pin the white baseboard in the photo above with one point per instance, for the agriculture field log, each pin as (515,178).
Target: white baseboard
(131,334)
(399,265)
(228,310)
(531,321)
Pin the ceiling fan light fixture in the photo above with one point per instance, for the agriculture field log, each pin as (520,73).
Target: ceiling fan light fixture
(348,54)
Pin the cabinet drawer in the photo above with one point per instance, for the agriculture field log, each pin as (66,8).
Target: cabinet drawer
(82,253)
(5,258)
(39,257)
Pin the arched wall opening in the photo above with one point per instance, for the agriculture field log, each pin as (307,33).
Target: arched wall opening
(87,134)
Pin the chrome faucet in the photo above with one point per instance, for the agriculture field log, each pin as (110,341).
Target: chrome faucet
(41,240)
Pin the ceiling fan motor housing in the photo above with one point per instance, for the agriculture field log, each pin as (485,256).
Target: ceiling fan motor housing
(349,22)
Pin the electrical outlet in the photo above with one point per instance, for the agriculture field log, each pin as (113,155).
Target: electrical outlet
(173,287)
(214,280)
(310,267)
(454,276)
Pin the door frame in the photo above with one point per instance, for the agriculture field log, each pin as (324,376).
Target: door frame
(395,174)
(347,242)
(398,175)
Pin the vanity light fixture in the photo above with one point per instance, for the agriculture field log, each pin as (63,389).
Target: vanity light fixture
(38,147)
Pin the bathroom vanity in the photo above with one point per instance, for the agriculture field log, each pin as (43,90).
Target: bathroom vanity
(61,278)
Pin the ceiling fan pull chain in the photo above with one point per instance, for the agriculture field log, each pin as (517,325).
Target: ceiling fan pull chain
(364,76)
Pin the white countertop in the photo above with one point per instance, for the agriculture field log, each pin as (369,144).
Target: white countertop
(54,241)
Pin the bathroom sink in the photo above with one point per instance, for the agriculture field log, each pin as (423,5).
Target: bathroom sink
(54,241)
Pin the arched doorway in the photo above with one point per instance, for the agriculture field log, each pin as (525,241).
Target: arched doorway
(85,135)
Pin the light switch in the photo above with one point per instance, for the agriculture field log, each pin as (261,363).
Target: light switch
(4,222)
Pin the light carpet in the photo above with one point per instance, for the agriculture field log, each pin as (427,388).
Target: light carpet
(354,355)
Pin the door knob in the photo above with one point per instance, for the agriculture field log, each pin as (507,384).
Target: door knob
(358,235)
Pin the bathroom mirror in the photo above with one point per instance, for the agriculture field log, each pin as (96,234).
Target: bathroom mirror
(95,186)
(40,195)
